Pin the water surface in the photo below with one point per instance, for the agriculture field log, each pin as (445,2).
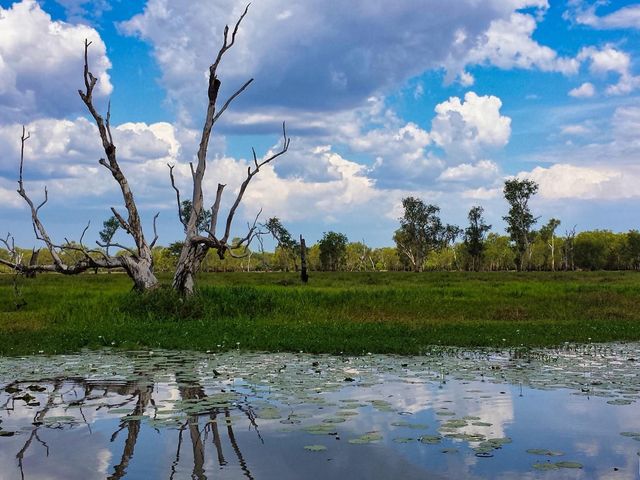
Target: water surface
(565,413)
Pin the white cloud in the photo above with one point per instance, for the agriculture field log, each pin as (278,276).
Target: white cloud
(466,127)
(575,129)
(482,193)
(508,44)
(625,17)
(608,59)
(78,11)
(328,61)
(41,63)
(586,90)
(483,170)
(571,181)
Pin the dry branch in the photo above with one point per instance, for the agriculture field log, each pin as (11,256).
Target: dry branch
(196,245)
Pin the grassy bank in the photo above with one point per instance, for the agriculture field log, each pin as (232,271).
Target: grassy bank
(340,312)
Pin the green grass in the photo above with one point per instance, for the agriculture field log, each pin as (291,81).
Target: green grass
(337,312)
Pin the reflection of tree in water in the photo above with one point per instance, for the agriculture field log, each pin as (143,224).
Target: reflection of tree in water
(139,392)
(198,440)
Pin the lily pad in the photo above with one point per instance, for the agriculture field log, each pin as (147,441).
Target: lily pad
(569,465)
(544,451)
(545,466)
(366,438)
(403,440)
(315,448)
(430,439)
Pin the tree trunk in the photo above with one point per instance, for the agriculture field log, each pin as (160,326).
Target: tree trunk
(189,263)
(32,263)
(303,261)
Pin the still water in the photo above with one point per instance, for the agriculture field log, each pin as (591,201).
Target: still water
(568,413)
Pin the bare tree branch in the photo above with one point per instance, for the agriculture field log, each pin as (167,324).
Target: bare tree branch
(250,174)
(231,99)
(155,231)
(195,246)
(173,184)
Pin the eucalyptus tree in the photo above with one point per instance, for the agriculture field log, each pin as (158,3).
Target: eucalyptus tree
(520,219)
(333,251)
(474,236)
(286,243)
(548,235)
(421,231)
(196,243)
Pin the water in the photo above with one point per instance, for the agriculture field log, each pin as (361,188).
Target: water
(553,414)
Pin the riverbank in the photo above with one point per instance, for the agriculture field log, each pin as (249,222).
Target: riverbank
(351,313)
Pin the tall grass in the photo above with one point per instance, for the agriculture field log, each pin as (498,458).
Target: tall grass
(337,312)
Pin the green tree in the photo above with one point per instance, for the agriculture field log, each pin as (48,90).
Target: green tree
(520,219)
(287,246)
(333,250)
(548,236)
(498,254)
(632,249)
(109,228)
(591,250)
(421,231)
(204,219)
(359,257)
(474,236)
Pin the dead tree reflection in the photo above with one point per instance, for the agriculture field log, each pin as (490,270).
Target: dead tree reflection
(79,395)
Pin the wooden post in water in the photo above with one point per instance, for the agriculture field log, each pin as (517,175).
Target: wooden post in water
(303,261)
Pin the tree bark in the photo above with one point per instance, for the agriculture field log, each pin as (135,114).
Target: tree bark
(303,261)
(196,245)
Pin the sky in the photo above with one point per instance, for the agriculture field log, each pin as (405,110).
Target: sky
(382,100)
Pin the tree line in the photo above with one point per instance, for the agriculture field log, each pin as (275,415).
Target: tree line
(423,241)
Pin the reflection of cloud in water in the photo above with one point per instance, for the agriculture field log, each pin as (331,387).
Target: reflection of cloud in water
(588,429)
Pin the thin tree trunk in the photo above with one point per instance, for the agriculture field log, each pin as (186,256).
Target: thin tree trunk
(303,261)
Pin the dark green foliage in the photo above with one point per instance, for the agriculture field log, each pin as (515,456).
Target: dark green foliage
(333,251)
(474,236)
(421,231)
(204,219)
(520,220)
(286,243)
(109,229)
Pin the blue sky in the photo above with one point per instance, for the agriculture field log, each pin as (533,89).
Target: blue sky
(441,100)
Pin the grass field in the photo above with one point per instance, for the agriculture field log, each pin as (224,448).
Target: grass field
(337,312)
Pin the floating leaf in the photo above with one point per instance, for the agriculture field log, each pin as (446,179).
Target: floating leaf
(403,440)
(569,465)
(366,438)
(430,439)
(315,448)
(544,451)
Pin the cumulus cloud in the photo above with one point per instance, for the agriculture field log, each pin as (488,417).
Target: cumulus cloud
(608,59)
(586,14)
(319,56)
(41,64)
(483,171)
(482,193)
(466,127)
(606,169)
(587,183)
(586,90)
(508,44)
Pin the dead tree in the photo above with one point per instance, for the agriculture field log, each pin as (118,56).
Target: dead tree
(197,244)
(303,261)
(138,261)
